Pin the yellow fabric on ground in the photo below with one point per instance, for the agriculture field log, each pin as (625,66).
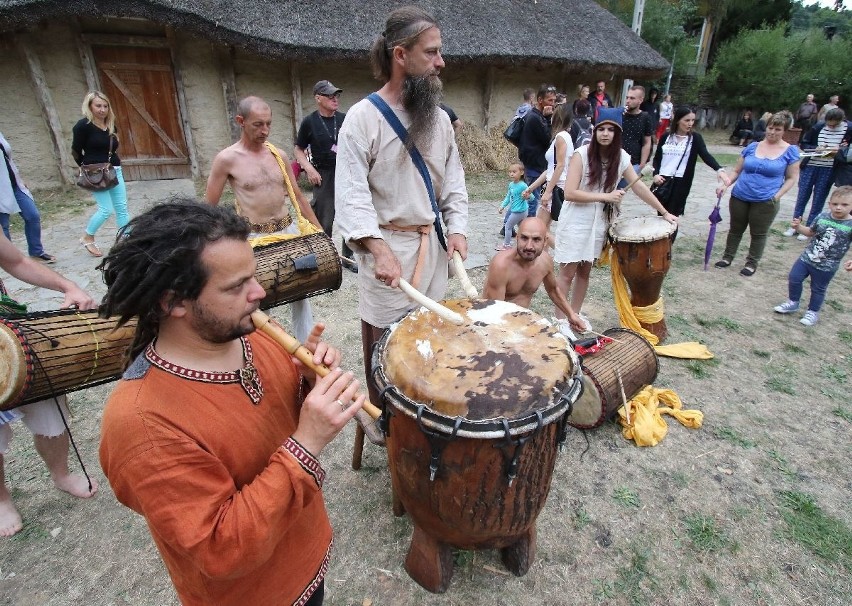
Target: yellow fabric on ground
(646,426)
(690,350)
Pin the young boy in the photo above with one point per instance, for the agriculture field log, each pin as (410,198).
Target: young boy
(518,207)
(831,236)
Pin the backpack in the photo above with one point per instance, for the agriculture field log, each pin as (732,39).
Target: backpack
(580,134)
(514,130)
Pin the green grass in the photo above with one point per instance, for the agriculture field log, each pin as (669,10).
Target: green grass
(626,496)
(780,384)
(581,516)
(843,413)
(700,369)
(727,160)
(760,353)
(835,305)
(817,531)
(487,185)
(833,373)
(705,533)
(782,465)
(734,437)
(845,336)
(720,322)
(636,581)
(794,349)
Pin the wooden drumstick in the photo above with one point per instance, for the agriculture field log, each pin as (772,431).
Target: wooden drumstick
(623,395)
(418,297)
(461,272)
(293,347)
(635,181)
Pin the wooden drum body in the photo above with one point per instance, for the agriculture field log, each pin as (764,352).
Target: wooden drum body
(644,249)
(474,417)
(44,354)
(629,355)
(297,268)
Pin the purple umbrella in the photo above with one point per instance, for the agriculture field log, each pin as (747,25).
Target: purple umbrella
(715,217)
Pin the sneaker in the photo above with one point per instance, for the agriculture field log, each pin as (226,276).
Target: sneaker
(787,308)
(789,232)
(810,318)
(802,238)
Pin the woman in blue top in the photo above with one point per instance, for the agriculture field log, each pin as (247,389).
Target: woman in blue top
(764,172)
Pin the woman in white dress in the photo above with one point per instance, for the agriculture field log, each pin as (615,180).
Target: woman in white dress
(592,202)
(557,156)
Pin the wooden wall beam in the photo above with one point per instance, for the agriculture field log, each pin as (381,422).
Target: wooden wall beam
(124,40)
(61,149)
(488,97)
(228,79)
(87,58)
(296,88)
(183,106)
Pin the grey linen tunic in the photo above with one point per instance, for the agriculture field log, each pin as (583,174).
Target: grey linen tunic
(376,183)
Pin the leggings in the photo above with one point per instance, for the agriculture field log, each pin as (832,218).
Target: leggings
(514,219)
(758,217)
(109,201)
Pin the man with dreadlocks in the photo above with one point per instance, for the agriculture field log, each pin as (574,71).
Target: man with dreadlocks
(43,418)
(214,432)
(382,203)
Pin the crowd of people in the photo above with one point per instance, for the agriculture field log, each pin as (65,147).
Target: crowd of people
(230,483)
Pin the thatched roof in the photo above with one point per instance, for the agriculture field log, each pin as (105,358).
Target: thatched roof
(576,33)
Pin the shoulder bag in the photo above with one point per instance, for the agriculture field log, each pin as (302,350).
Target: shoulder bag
(98,177)
(663,191)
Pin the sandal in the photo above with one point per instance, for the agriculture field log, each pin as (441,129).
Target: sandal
(46,258)
(723,263)
(748,270)
(95,250)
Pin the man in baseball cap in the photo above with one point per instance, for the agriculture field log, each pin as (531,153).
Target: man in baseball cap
(326,88)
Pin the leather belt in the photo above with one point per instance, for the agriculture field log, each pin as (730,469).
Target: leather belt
(424,231)
(270,227)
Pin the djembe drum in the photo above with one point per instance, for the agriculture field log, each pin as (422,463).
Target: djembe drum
(474,417)
(644,249)
(297,268)
(629,357)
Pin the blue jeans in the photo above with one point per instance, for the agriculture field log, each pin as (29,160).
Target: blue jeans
(623,183)
(819,283)
(816,179)
(532,201)
(109,201)
(32,222)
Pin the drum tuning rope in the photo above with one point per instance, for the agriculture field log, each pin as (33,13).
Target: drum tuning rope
(54,396)
(97,345)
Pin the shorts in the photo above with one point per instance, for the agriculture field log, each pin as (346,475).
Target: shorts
(41,418)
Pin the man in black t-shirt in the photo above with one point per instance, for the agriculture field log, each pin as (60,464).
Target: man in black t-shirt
(637,129)
(535,139)
(318,132)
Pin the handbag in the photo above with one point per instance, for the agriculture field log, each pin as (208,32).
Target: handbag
(98,177)
(663,191)
(513,132)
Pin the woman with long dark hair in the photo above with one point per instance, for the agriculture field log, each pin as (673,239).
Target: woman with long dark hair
(95,141)
(592,202)
(676,158)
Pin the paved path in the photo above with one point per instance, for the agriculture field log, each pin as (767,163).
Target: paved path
(62,235)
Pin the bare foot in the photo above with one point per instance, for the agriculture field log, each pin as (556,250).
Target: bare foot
(10,519)
(77,485)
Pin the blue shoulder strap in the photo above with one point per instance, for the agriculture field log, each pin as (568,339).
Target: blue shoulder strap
(418,160)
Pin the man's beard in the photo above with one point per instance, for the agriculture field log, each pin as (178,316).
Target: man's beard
(420,98)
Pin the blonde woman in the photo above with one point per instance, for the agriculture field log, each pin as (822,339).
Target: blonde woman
(95,141)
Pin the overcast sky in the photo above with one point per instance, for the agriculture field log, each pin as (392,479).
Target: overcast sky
(825,3)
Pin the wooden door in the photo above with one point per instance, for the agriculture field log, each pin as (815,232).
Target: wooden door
(140,83)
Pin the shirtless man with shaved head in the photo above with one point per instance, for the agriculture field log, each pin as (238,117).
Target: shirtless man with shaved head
(515,274)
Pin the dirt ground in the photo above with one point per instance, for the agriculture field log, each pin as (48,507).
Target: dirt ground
(702,518)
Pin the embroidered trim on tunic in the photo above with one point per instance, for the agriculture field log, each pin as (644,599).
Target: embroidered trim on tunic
(305,459)
(312,587)
(247,377)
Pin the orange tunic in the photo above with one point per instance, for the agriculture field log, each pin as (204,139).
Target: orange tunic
(234,505)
